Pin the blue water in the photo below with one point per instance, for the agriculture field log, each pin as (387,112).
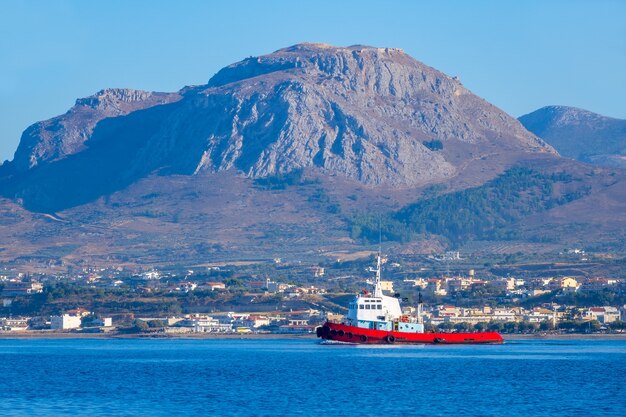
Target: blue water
(301,377)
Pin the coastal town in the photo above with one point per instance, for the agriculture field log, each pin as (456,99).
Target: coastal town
(236,300)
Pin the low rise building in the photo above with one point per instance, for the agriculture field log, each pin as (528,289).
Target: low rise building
(254,321)
(212,286)
(565,283)
(386,286)
(604,315)
(103,322)
(205,324)
(447,311)
(597,284)
(150,275)
(538,315)
(436,287)
(14,324)
(17,288)
(276,287)
(65,322)
(418,282)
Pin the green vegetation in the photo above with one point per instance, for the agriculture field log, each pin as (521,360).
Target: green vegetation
(282,181)
(370,227)
(321,198)
(481,213)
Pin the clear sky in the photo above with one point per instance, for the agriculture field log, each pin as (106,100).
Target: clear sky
(519,55)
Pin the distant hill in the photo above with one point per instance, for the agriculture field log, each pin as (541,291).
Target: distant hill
(580,134)
(294,154)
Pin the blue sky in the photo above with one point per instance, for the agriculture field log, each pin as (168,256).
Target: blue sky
(519,55)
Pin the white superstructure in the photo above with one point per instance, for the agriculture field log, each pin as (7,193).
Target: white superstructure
(376,310)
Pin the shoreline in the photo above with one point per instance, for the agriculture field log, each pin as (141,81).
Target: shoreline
(153,336)
(271,336)
(569,336)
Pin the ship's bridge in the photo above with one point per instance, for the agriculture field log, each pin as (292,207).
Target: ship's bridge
(372,308)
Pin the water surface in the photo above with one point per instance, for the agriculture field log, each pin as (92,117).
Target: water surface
(301,377)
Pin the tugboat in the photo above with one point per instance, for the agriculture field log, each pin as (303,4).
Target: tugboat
(375,318)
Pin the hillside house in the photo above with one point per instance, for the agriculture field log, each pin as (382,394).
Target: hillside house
(16,288)
(604,314)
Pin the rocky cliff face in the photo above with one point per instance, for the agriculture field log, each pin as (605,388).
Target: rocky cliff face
(65,135)
(374,115)
(580,134)
(361,112)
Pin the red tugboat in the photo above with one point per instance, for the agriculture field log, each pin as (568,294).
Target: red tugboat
(375,318)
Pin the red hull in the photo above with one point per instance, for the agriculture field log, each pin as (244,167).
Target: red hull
(352,334)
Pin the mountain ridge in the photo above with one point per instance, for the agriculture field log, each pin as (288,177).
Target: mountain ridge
(580,134)
(362,112)
(128,176)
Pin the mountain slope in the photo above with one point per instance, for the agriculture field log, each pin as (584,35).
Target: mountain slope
(580,134)
(374,115)
(66,134)
(277,155)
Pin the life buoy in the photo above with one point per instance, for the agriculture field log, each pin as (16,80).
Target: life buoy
(340,333)
(333,332)
(349,335)
(390,339)
(363,338)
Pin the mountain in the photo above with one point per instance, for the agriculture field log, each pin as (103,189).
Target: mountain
(292,155)
(374,115)
(580,134)
(65,135)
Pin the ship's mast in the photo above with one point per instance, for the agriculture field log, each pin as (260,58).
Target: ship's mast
(419,308)
(378,292)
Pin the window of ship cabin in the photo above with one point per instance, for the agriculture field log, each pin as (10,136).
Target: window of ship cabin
(380,307)
(361,306)
(367,306)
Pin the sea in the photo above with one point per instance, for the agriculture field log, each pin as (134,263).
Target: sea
(301,377)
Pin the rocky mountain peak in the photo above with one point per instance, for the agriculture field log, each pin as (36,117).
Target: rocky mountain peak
(373,115)
(115,98)
(382,70)
(65,135)
(361,111)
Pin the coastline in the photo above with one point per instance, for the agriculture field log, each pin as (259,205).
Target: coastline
(271,336)
(569,336)
(153,336)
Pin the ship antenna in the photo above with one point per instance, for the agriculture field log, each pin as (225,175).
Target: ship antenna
(419,307)
(377,291)
(380,236)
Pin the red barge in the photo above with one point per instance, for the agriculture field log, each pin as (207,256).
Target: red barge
(375,318)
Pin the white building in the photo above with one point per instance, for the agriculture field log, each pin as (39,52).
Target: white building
(503,314)
(418,282)
(13,324)
(103,322)
(150,275)
(64,322)
(604,314)
(205,324)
